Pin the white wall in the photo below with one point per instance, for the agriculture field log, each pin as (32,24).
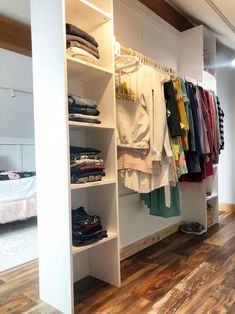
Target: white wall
(16,114)
(226,92)
(140,29)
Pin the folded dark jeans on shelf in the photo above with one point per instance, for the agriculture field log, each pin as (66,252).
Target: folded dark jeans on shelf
(82,116)
(84,150)
(80,241)
(85,120)
(87,168)
(74,30)
(73,43)
(82,110)
(82,41)
(83,102)
(75,179)
(88,173)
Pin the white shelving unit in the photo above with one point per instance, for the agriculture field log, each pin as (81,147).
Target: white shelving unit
(55,75)
(194,197)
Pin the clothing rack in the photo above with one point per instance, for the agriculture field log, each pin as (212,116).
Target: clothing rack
(13,91)
(155,64)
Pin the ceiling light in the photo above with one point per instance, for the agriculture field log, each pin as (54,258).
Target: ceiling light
(233,63)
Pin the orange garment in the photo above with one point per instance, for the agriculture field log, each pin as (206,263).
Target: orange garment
(182,112)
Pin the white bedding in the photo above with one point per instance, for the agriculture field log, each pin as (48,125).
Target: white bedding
(14,190)
(18,210)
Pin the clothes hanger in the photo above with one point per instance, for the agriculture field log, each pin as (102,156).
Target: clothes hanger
(127,61)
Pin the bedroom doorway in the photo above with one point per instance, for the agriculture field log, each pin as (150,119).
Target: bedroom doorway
(18,222)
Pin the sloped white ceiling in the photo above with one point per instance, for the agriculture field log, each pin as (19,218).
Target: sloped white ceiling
(218,15)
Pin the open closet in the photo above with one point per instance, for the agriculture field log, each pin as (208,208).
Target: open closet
(60,190)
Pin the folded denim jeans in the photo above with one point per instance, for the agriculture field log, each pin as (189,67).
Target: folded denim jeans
(82,110)
(84,150)
(74,30)
(85,120)
(75,179)
(83,102)
(82,116)
(87,173)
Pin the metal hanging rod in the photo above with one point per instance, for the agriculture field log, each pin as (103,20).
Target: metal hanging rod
(15,90)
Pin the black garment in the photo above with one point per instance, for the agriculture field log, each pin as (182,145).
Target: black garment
(86,240)
(85,120)
(173,117)
(82,110)
(74,30)
(84,150)
(192,162)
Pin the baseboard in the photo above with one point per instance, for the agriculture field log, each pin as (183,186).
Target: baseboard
(227,207)
(148,241)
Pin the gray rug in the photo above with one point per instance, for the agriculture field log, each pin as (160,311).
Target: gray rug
(18,243)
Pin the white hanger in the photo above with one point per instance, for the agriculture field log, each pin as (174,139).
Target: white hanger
(127,61)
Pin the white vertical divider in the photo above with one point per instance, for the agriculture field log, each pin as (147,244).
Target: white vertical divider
(52,155)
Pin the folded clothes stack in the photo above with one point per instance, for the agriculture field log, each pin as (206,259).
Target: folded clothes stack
(80,44)
(82,110)
(86,165)
(86,229)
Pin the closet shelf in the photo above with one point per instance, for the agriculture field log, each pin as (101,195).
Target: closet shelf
(89,15)
(111,236)
(92,184)
(85,126)
(212,196)
(86,71)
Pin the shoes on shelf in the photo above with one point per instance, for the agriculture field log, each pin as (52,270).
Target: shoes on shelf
(193,228)
(86,229)
(80,214)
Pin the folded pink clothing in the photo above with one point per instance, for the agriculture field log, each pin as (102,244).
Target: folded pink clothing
(132,159)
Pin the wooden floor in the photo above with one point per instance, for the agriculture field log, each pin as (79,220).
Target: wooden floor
(180,274)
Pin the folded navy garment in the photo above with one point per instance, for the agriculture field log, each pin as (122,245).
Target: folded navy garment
(75,100)
(84,150)
(85,120)
(74,30)
(82,110)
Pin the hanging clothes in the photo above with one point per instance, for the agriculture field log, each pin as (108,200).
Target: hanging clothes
(182,113)
(156,202)
(167,129)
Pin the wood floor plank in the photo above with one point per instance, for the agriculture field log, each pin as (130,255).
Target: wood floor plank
(32,292)
(182,292)
(16,305)
(42,308)
(23,270)
(222,236)
(12,289)
(206,298)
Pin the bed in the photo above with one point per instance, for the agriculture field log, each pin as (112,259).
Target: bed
(17,188)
